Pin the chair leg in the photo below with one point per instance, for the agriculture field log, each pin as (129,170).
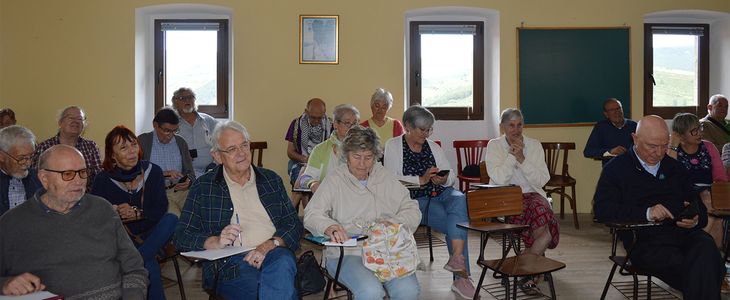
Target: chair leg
(481,280)
(179,278)
(552,286)
(562,203)
(648,287)
(514,290)
(574,206)
(608,282)
(636,286)
(430,241)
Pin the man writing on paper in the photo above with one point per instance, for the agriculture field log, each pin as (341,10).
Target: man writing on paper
(645,184)
(68,242)
(612,136)
(242,205)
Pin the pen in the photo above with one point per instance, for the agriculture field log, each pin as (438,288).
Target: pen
(239,230)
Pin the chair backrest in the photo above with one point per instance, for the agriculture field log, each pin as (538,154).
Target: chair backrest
(258,147)
(438,142)
(469,153)
(493,202)
(483,175)
(553,157)
(721,195)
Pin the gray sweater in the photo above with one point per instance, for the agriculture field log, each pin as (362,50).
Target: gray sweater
(84,254)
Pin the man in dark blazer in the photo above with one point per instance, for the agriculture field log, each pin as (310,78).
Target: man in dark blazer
(17,180)
(644,184)
(165,148)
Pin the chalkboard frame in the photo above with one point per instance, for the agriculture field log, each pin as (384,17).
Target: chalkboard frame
(594,110)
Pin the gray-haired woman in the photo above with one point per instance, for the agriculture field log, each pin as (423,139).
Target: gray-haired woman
(365,191)
(386,127)
(416,159)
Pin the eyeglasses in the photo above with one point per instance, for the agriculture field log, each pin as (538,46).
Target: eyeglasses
(170,131)
(347,124)
(613,110)
(69,175)
(426,130)
(235,149)
(23,160)
(185,98)
(695,131)
(80,119)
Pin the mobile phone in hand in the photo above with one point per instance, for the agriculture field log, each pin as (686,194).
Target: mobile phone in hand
(443,173)
(183,179)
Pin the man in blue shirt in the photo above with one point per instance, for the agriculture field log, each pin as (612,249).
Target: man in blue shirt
(612,136)
(17,180)
(195,128)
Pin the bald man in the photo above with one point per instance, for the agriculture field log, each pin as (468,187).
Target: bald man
(66,241)
(644,184)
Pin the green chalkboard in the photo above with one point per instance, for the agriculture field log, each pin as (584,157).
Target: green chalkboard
(565,74)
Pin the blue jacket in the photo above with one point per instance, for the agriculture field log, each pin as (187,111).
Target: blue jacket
(605,137)
(31,183)
(209,209)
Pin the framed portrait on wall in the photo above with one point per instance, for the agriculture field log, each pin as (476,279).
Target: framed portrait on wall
(318,39)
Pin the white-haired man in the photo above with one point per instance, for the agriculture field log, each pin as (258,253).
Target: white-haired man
(17,180)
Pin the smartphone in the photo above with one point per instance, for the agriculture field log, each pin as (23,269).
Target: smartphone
(689,212)
(443,173)
(183,179)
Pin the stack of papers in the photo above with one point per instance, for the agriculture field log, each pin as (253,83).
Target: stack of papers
(42,295)
(217,253)
(410,185)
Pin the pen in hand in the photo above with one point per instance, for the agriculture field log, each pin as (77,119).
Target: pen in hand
(238,221)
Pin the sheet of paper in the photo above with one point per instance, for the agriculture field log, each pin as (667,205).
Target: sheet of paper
(348,243)
(325,240)
(217,253)
(33,296)
(489,186)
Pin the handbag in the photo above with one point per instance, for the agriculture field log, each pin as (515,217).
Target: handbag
(390,251)
(310,279)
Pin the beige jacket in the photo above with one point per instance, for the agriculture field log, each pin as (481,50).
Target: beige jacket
(341,198)
(713,133)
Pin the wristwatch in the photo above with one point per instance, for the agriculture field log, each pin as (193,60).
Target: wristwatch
(276,242)
(674,148)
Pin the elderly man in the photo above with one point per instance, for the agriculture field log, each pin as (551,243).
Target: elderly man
(239,204)
(17,180)
(305,132)
(714,127)
(165,148)
(7,117)
(645,184)
(612,136)
(195,128)
(71,124)
(68,242)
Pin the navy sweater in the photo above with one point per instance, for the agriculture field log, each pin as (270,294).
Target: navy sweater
(605,137)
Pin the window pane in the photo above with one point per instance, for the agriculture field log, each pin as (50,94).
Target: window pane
(675,70)
(191,58)
(447,70)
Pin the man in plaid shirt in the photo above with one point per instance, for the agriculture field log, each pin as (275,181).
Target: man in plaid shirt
(71,124)
(245,206)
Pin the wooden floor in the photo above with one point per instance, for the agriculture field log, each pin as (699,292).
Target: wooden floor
(584,251)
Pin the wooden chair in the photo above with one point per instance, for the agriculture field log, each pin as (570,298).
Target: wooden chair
(170,253)
(468,153)
(483,175)
(258,147)
(560,179)
(720,197)
(485,204)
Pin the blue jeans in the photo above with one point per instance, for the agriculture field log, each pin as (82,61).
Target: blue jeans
(364,285)
(275,279)
(447,209)
(153,243)
(294,167)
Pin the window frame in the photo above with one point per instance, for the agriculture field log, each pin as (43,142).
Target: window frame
(221,109)
(414,73)
(703,80)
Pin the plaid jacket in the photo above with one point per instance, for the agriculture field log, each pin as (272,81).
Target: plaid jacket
(209,209)
(88,149)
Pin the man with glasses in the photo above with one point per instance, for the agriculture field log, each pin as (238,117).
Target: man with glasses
(195,128)
(17,180)
(714,127)
(612,136)
(66,241)
(165,148)
(242,205)
(305,132)
(71,124)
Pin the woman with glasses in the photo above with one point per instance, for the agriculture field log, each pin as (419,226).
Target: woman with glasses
(326,157)
(386,127)
(703,161)
(136,189)
(416,160)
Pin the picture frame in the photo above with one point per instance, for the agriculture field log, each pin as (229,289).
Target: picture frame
(319,39)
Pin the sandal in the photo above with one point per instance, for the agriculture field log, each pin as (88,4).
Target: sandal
(528,286)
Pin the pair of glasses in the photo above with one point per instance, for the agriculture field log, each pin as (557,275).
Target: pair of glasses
(347,124)
(23,160)
(235,149)
(426,130)
(170,131)
(185,98)
(68,175)
(79,119)
(695,131)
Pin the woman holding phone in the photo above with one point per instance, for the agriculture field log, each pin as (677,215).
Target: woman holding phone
(415,159)
(136,189)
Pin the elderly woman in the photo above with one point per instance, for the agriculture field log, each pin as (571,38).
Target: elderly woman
(380,103)
(516,159)
(136,189)
(416,159)
(362,190)
(325,156)
(701,158)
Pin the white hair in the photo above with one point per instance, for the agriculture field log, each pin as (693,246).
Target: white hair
(230,124)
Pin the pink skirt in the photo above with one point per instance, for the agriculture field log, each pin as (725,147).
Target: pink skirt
(536,212)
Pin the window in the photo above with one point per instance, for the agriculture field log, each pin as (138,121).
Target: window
(676,60)
(447,68)
(194,54)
